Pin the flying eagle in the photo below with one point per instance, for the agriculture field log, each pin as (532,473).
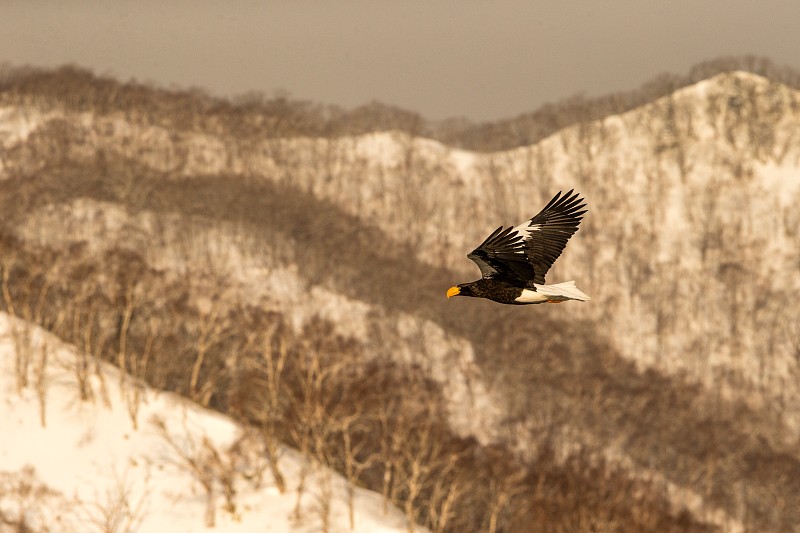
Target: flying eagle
(514,261)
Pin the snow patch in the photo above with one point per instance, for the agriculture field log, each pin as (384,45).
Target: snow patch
(17,124)
(89,453)
(780,181)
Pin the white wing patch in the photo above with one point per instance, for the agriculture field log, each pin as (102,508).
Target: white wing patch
(524,230)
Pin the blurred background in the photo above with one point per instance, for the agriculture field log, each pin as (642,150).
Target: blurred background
(260,205)
(479,60)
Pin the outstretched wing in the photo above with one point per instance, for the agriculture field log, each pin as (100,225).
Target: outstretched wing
(545,235)
(526,252)
(503,254)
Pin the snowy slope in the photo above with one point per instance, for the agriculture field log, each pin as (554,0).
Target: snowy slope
(686,195)
(91,468)
(689,249)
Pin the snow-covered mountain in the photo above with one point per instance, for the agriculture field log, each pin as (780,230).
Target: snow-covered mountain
(73,465)
(683,369)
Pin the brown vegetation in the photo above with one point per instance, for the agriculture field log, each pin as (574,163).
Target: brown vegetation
(381,421)
(255,114)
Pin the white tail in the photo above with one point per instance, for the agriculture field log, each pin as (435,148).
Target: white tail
(563,291)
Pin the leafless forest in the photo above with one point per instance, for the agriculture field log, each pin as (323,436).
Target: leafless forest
(285,263)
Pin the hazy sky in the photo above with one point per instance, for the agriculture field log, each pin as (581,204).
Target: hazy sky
(479,59)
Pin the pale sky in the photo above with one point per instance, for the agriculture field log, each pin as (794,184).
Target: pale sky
(479,59)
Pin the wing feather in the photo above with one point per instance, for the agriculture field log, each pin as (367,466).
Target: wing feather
(546,235)
(526,252)
(503,254)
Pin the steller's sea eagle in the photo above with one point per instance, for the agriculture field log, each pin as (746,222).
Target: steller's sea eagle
(514,261)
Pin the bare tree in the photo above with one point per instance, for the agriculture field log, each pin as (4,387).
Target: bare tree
(502,489)
(417,462)
(212,329)
(116,511)
(130,299)
(204,463)
(28,306)
(445,492)
(321,370)
(273,352)
(390,441)
(134,394)
(352,453)
(26,502)
(41,381)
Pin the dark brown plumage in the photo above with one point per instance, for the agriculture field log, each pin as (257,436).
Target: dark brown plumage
(514,260)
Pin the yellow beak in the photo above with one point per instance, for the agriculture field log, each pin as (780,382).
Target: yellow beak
(453,291)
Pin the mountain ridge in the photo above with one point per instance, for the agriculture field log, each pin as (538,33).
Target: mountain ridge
(668,344)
